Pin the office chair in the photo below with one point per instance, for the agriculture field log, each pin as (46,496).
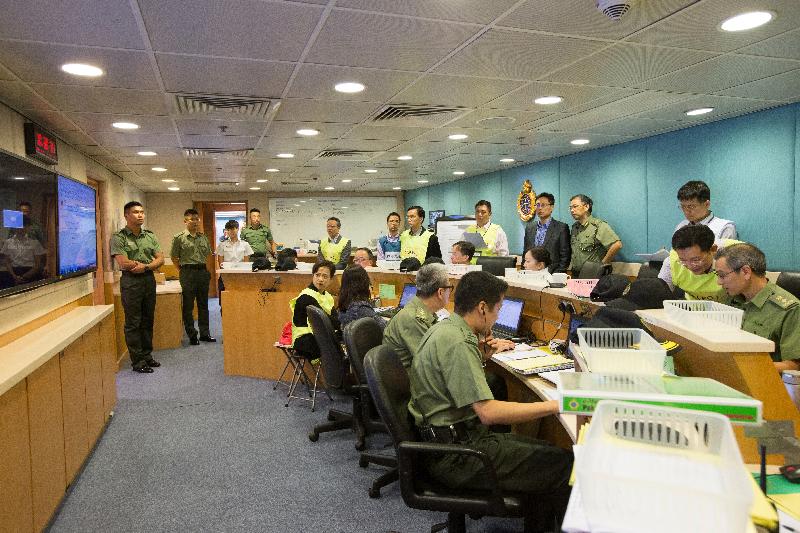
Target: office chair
(649,269)
(496,264)
(790,281)
(592,270)
(335,371)
(360,337)
(390,388)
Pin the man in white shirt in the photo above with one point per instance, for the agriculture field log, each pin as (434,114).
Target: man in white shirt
(23,256)
(695,202)
(231,250)
(492,234)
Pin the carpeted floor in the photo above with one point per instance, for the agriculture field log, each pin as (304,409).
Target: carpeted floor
(191,449)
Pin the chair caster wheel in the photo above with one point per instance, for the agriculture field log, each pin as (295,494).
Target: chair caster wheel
(313,437)
(363,463)
(374,493)
(361,445)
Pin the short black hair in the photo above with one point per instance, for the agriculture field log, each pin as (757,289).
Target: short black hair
(485,203)
(190,212)
(420,211)
(231,224)
(433,260)
(540,254)
(338,222)
(324,263)
(369,252)
(476,287)
(744,254)
(25,203)
(466,248)
(585,200)
(255,210)
(128,206)
(394,214)
(550,198)
(694,190)
(691,235)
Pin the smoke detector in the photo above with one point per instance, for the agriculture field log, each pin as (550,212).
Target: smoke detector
(613,9)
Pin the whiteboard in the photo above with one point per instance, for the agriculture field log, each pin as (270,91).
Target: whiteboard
(363,218)
(450,232)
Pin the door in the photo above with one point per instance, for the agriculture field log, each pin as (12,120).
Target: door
(208,219)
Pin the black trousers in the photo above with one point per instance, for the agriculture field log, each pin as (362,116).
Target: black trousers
(194,284)
(138,293)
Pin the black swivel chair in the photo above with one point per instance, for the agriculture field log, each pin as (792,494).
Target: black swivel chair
(389,385)
(359,338)
(649,269)
(790,281)
(335,370)
(592,270)
(496,264)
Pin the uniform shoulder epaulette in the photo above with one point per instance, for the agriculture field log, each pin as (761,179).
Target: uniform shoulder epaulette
(782,301)
(421,315)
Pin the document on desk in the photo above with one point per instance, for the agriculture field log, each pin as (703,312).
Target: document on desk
(520,351)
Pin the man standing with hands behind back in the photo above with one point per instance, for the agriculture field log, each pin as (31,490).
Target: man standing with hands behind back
(189,251)
(138,254)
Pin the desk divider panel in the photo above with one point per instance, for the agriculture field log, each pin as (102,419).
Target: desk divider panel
(16,507)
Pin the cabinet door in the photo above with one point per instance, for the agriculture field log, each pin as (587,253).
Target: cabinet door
(48,470)
(16,509)
(73,395)
(108,360)
(93,372)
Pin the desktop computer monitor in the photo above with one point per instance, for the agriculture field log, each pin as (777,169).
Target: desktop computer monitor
(507,324)
(409,291)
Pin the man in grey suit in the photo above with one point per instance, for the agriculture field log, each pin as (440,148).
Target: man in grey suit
(550,233)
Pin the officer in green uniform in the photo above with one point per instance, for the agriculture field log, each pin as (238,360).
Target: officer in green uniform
(258,235)
(406,328)
(138,254)
(189,251)
(592,239)
(769,311)
(451,403)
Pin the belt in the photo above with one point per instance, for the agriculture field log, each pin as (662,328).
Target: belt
(452,434)
(135,275)
(193,267)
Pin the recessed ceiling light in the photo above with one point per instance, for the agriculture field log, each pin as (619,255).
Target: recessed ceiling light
(699,111)
(370,170)
(579,142)
(396,188)
(329,188)
(457,136)
(125,126)
(297,205)
(19,177)
(255,188)
(746,21)
(82,69)
(349,87)
(174,188)
(302,201)
(273,170)
(147,154)
(261,181)
(548,100)
(346,181)
(308,132)
(285,156)
(458,173)
(158,169)
(405,157)
(507,160)
(422,181)
(168,181)
(344,207)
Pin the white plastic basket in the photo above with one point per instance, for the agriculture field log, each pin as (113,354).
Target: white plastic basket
(662,469)
(537,277)
(702,314)
(621,351)
(581,287)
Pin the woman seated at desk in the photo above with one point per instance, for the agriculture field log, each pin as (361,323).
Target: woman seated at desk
(314,295)
(536,258)
(354,297)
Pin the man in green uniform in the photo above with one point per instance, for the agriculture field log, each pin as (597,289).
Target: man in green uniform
(592,239)
(406,328)
(189,251)
(138,254)
(451,402)
(258,236)
(769,311)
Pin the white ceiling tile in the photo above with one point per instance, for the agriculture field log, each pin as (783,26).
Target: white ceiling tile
(573,95)
(454,91)
(242,28)
(784,87)
(198,126)
(495,119)
(134,139)
(477,11)
(721,104)
(786,45)
(299,110)
(6,74)
(317,81)
(632,126)
(288,130)
(90,149)
(77,137)
(95,122)
(388,42)
(377,131)
(102,99)
(20,97)
(218,141)
(51,120)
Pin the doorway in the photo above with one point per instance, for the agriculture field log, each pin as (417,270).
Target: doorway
(213,216)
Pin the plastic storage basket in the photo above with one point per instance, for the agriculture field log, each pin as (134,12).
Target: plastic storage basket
(581,287)
(702,314)
(662,469)
(621,351)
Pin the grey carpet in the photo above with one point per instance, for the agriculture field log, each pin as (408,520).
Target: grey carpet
(191,449)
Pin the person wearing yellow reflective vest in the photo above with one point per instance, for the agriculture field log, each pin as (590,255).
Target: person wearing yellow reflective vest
(315,295)
(335,248)
(492,234)
(417,241)
(690,265)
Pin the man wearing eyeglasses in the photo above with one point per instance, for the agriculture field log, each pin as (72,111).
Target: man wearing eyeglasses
(549,233)
(690,265)
(769,311)
(695,202)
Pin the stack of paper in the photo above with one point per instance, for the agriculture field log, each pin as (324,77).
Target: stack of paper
(528,360)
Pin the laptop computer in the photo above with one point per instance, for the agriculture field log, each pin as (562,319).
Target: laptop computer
(507,324)
(409,291)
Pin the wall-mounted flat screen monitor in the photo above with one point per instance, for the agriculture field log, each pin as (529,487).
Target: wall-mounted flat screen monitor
(434,216)
(28,244)
(77,228)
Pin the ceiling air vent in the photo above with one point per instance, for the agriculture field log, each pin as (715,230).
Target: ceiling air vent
(250,106)
(345,155)
(210,152)
(425,115)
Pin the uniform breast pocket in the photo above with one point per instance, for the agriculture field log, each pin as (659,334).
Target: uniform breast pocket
(759,328)
(587,240)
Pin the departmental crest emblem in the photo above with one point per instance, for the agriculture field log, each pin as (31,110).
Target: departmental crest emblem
(526,201)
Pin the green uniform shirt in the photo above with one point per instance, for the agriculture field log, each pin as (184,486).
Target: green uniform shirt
(259,238)
(447,375)
(774,314)
(590,242)
(142,248)
(406,329)
(35,231)
(190,250)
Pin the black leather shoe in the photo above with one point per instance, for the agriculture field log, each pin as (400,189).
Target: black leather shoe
(143,370)
(206,338)
(153,363)
(194,342)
